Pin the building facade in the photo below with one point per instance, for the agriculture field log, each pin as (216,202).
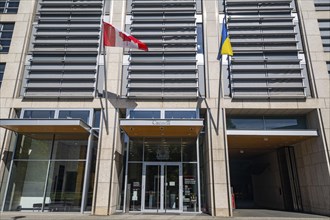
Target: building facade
(91,129)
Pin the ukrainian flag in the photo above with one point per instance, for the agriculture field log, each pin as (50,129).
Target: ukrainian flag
(225,46)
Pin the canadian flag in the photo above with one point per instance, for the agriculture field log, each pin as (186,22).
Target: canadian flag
(113,37)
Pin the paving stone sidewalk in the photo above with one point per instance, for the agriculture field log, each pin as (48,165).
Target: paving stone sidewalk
(238,215)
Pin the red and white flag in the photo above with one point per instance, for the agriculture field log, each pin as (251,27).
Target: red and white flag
(113,37)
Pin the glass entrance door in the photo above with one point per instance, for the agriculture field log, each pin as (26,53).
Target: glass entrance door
(162,187)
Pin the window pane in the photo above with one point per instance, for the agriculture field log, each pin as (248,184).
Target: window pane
(84,115)
(96,120)
(68,147)
(8,26)
(189,151)
(26,185)
(29,148)
(134,179)
(144,114)
(65,185)
(200,38)
(92,175)
(162,149)
(245,123)
(39,114)
(180,114)
(135,149)
(285,123)
(190,182)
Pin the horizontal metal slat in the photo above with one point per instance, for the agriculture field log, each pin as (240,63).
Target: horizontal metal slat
(58,67)
(245,68)
(60,76)
(95,34)
(146,10)
(162,67)
(263,77)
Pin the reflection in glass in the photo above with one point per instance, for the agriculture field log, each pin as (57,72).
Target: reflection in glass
(266,122)
(70,149)
(39,114)
(144,114)
(285,123)
(83,115)
(152,188)
(31,148)
(66,166)
(65,185)
(26,186)
(180,114)
(245,123)
(171,187)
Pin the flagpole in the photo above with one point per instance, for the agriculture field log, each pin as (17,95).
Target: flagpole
(105,81)
(229,196)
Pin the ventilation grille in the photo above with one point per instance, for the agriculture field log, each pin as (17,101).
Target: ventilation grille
(265,41)
(169,68)
(322,5)
(324,26)
(64,49)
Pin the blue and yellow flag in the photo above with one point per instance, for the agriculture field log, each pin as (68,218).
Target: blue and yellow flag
(225,46)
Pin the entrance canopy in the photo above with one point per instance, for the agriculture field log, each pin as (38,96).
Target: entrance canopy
(45,125)
(162,127)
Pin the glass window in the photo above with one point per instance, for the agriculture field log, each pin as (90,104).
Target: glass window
(144,114)
(66,168)
(180,114)
(39,114)
(84,115)
(26,186)
(134,180)
(285,123)
(96,119)
(6,31)
(92,176)
(65,185)
(245,123)
(266,122)
(135,149)
(2,71)
(69,148)
(33,148)
(162,149)
(189,152)
(9,6)
(200,39)
(190,187)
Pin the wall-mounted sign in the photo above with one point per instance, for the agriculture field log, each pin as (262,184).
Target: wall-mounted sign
(161,122)
(189,181)
(136,184)
(134,196)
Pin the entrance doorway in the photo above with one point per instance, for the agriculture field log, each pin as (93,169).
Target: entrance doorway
(265,178)
(162,187)
(162,175)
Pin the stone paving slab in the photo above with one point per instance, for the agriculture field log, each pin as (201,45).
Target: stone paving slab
(239,215)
